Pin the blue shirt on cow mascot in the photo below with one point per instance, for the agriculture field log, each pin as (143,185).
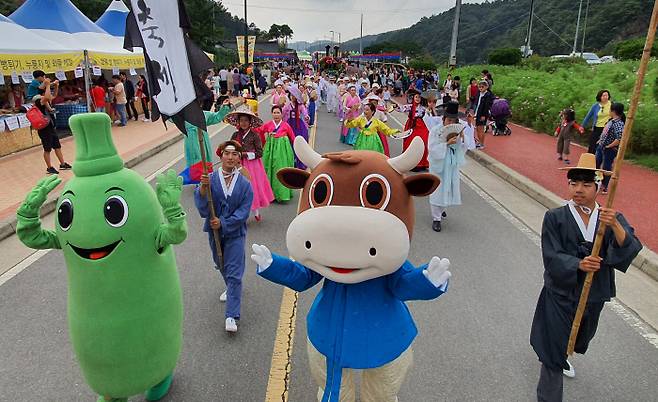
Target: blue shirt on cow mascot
(353,230)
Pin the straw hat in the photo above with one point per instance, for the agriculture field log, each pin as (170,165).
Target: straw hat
(587,162)
(233,118)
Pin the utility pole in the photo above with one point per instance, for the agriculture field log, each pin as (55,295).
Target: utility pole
(575,40)
(246,36)
(526,49)
(361,38)
(455,31)
(582,46)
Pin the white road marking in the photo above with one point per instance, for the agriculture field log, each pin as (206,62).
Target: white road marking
(18,268)
(37,255)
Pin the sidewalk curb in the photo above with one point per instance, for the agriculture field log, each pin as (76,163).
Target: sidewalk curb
(8,225)
(646,261)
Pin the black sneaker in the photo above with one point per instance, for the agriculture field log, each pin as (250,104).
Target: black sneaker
(52,170)
(65,166)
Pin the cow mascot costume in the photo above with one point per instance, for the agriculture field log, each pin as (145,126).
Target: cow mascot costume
(353,230)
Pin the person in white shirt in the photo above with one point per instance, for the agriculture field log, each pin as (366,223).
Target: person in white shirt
(223,80)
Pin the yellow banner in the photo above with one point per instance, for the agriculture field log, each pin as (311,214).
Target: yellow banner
(107,61)
(252,48)
(49,63)
(240,41)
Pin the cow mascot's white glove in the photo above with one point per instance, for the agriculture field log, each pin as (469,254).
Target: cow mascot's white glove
(437,271)
(262,256)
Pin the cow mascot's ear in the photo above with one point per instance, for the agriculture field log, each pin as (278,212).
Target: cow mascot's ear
(421,185)
(293,178)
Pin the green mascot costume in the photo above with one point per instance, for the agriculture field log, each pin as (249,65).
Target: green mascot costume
(124,298)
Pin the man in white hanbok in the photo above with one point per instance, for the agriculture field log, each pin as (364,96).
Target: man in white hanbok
(332,95)
(446,154)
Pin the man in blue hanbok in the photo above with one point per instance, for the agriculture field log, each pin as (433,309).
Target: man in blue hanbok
(446,154)
(232,197)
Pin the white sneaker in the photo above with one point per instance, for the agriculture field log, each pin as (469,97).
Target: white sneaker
(222,297)
(117,122)
(571,373)
(231,325)
(146,120)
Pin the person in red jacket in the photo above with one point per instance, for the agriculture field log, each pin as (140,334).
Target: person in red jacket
(98,97)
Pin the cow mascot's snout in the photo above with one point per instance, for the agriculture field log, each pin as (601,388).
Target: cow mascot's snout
(354,228)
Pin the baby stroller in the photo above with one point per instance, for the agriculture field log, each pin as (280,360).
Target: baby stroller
(500,113)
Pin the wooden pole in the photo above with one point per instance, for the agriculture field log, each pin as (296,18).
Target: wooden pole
(211,203)
(626,137)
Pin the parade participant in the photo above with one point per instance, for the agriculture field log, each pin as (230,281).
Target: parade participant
(352,107)
(322,87)
(342,94)
(192,151)
(332,96)
(312,97)
(369,128)
(278,137)
(124,298)
(279,96)
(296,115)
(447,153)
(482,111)
(567,238)
(250,101)
(232,196)
(415,122)
(353,231)
(252,152)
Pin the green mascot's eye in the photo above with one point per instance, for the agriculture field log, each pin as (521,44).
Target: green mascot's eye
(65,214)
(116,211)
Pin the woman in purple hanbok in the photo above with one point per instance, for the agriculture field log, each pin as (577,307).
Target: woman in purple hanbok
(296,115)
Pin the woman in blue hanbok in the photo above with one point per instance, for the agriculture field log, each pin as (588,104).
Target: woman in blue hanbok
(447,152)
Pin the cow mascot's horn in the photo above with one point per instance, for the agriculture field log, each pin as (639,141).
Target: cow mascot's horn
(307,155)
(409,158)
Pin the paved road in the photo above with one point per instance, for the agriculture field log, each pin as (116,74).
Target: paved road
(472,346)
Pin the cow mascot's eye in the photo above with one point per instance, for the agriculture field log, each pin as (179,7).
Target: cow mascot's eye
(116,211)
(321,191)
(65,214)
(375,192)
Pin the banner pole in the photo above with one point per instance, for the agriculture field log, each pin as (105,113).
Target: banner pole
(614,182)
(211,203)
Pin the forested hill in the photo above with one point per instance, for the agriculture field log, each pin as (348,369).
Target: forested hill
(503,23)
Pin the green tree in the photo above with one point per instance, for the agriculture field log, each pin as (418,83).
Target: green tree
(274,32)
(423,63)
(286,33)
(508,56)
(632,49)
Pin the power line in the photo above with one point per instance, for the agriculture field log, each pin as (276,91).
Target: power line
(324,10)
(552,31)
(494,28)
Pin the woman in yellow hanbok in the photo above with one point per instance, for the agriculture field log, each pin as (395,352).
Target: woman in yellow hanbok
(369,130)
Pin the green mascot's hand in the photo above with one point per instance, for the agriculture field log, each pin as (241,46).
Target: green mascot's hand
(28,227)
(168,188)
(35,199)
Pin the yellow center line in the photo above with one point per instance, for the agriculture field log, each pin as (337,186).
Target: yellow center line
(279,378)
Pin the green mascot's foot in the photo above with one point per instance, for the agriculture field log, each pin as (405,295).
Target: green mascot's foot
(160,390)
(102,399)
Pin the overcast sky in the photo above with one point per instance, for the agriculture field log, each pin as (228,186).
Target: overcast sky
(312,20)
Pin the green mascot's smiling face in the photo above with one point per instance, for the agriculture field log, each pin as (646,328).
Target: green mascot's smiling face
(107,218)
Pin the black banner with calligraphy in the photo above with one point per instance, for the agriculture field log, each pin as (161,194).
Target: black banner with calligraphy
(173,76)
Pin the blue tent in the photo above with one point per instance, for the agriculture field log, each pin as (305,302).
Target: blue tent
(113,20)
(5,19)
(54,15)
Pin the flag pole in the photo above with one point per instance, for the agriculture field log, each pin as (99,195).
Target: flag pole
(211,203)
(626,137)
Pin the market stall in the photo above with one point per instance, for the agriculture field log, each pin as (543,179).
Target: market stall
(19,57)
